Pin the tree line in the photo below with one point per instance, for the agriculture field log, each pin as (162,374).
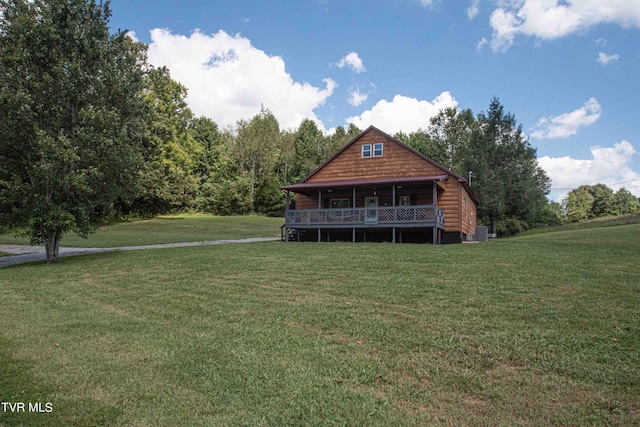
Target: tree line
(596,201)
(90,130)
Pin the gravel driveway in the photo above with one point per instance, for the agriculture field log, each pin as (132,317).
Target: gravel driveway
(23,254)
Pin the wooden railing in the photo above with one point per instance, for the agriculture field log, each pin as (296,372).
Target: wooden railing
(367,217)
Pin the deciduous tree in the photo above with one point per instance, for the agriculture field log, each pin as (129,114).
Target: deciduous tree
(624,202)
(72,116)
(578,204)
(168,180)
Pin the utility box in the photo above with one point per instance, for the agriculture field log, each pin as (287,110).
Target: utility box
(482,234)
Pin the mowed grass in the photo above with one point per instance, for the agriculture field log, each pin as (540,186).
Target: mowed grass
(169,229)
(540,330)
(613,221)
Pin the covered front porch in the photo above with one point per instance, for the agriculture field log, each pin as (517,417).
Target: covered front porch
(396,210)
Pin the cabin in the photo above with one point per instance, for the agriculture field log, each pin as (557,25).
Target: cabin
(377,188)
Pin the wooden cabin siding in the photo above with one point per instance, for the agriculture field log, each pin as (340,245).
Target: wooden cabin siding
(419,196)
(396,161)
(469,214)
(306,202)
(449,201)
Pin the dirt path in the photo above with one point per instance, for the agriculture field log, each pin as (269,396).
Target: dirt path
(23,254)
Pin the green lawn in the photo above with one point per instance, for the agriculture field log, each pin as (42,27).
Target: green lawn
(538,330)
(169,229)
(611,221)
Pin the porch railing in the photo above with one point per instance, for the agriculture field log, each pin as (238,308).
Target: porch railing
(367,217)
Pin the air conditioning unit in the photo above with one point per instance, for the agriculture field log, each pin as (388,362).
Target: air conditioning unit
(482,234)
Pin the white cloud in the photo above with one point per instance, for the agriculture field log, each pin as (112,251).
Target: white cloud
(473,10)
(608,165)
(353,61)
(403,113)
(550,19)
(356,98)
(482,43)
(604,59)
(132,35)
(228,79)
(567,124)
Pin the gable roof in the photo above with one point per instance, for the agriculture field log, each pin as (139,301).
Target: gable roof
(446,172)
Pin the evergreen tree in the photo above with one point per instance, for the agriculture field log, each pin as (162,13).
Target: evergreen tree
(507,178)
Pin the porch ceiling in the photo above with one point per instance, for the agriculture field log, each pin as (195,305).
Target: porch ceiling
(310,186)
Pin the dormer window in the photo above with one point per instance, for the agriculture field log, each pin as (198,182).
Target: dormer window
(372,150)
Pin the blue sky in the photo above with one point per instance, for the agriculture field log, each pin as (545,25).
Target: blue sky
(567,70)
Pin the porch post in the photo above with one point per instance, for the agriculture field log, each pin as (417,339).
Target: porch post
(434,199)
(395,213)
(435,212)
(435,194)
(319,207)
(353,206)
(286,211)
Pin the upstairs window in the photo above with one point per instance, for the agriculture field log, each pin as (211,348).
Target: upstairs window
(366,150)
(377,150)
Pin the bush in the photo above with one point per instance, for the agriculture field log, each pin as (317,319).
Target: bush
(511,227)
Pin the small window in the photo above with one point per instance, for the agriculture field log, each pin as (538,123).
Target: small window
(405,200)
(377,150)
(366,150)
(340,203)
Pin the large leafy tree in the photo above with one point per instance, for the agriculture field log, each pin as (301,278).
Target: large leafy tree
(578,204)
(309,149)
(168,179)
(625,202)
(450,134)
(72,118)
(255,149)
(603,200)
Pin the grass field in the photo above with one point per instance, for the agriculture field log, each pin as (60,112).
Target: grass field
(612,221)
(168,229)
(537,330)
